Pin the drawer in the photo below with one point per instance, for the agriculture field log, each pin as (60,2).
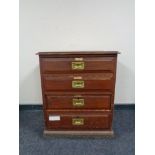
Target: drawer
(83,81)
(79,102)
(77,64)
(78,120)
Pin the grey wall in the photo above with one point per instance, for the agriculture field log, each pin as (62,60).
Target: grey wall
(58,25)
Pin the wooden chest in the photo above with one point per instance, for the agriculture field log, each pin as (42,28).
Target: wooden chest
(78,92)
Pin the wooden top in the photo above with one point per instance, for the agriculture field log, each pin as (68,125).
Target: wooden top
(78,52)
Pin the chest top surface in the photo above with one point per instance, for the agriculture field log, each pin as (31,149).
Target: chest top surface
(74,53)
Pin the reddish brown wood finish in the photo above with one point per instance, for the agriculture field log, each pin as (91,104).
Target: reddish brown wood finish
(99,76)
(91,81)
(90,63)
(92,120)
(90,102)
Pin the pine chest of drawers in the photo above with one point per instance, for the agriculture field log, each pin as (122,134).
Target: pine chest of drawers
(78,92)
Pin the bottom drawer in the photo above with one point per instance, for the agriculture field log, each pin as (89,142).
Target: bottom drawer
(75,120)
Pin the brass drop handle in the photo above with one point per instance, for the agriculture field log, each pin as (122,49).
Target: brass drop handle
(78,121)
(78,65)
(78,102)
(77,84)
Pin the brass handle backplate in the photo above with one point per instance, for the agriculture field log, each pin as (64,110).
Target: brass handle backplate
(78,102)
(77,84)
(78,65)
(77,121)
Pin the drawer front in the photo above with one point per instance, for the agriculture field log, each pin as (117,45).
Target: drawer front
(79,102)
(78,120)
(77,64)
(85,81)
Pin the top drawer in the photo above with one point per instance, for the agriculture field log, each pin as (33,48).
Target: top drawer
(77,64)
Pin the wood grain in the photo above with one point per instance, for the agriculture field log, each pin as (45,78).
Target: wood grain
(90,64)
(91,81)
(90,102)
(92,120)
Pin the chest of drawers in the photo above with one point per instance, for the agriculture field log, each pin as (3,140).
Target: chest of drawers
(78,92)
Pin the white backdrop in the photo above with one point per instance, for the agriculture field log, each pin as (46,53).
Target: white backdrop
(65,25)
